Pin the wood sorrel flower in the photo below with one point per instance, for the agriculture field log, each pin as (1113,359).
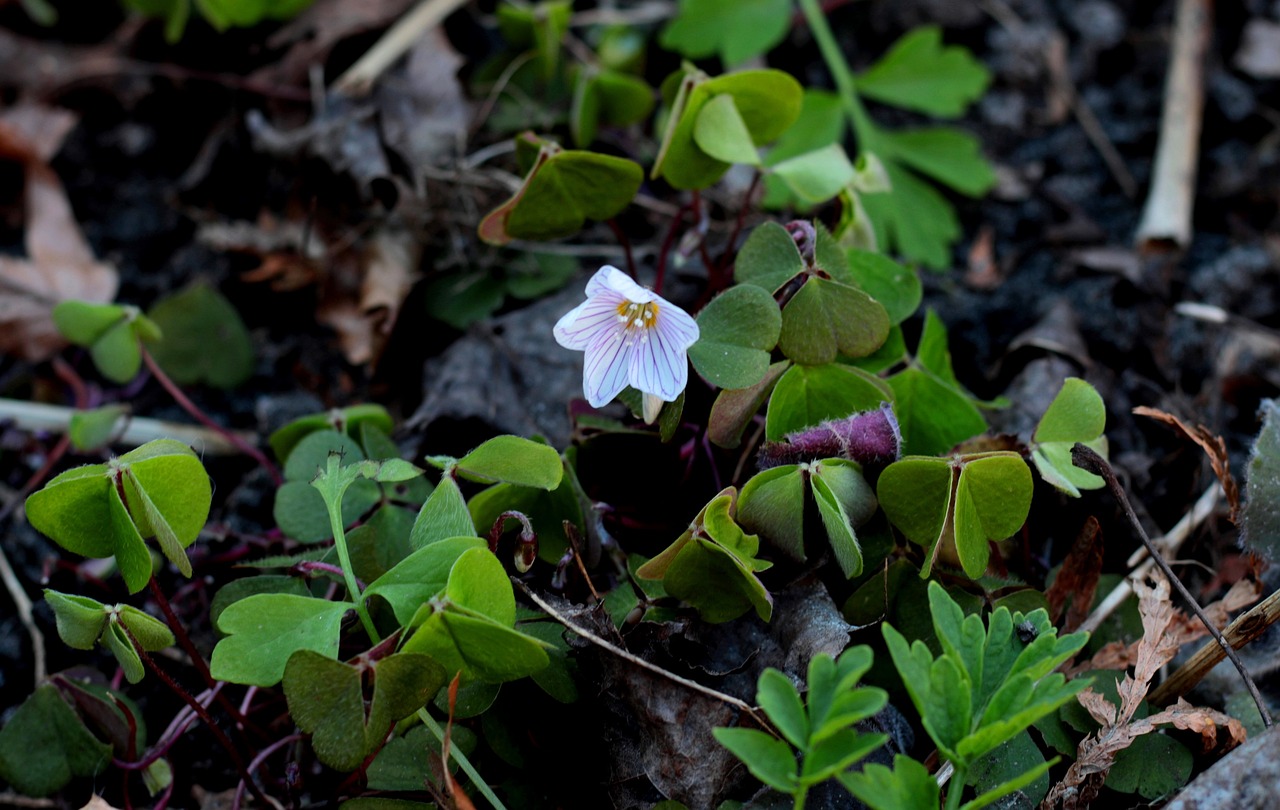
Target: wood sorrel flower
(631,337)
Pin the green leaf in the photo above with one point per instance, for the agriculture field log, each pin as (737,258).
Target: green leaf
(1261,513)
(772,504)
(609,97)
(513,460)
(836,752)
(151,633)
(720,132)
(914,220)
(895,287)
(768,259)
(563,190)
(115,640)
(44,746)
(79,619)
(91,429)
(194,320)
(1077,414)
(350,421)
(820,124)
(738,329)
(777,695)
(83,322)
(816,176)
(265,629)
(908,785)
(478,647)
(915,493)
(767,100)
(131,553)
(1006,763)
(72,508)
(769,760)
(238,589)
(951,157)
(826,317)
(736,30)
(919,73)
(1153,766)
(845,501)
(809,395)
(992,499)
(734,409)
(933,416)
(326,700)
(443,515)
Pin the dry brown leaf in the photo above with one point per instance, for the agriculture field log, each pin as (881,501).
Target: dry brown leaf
(59,264)
(364,320)
(1214,447)
(1078,577)
(1097,752)
(983,272)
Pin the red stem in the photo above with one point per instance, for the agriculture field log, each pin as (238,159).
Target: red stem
(667,242)
(201,417)
(626,246)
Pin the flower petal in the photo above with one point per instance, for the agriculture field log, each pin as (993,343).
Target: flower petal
(604,374)
(614,280)
(678,328)
(580,325)
(658,366)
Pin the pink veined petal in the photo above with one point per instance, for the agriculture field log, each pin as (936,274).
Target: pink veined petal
(658,366)
(580,325)
(678,328)
(604,374)
(600,281)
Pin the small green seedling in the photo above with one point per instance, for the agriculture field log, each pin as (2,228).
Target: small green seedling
(83,622)
(988,686)
(820,729)
(192,320)
(159,490)
(1075,415)
(111,332)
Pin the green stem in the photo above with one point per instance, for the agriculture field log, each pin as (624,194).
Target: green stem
(334,507)
(863,128)
(955,788)
(801,793)
(463,762)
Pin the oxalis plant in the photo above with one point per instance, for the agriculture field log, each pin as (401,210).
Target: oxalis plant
(838,440)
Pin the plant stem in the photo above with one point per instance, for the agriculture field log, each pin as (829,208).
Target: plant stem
(200,416)
(461,759)
(955,792)
(626,246)
(1086,459)
(344,557)
(202,713)
(839,68)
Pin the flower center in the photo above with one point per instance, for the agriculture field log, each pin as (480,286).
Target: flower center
(637,319)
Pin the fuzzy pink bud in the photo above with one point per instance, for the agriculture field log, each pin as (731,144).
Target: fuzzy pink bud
(868,437)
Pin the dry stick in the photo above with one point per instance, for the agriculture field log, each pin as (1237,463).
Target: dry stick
(640,662)
(1245,628)
(1086,459)
(359,78)
(1167,214)
(1169,544)
(39,416)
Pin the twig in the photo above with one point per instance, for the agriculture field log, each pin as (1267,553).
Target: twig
(1246,627)
(1086,459)
(1170,543)
(22,604)
(359,78)
(1166,218)
(638,661)
(38,416)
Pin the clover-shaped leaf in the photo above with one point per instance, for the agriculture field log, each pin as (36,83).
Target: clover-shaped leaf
(603,96)
(420,576)
(958,504)
(734,409)
(263,630)
(158,490)
(713,565)
(468,627)
(111,332)
(816,176)
(772,503)
(896,287)
(44,745)
(326,699)
(351,421)
(192,321)
(1077,414)
(82,622)
(738,329)
(765,102)
(564,188)
(299,509)
(919,73)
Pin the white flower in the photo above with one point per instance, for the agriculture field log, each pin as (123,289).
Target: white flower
(631,337)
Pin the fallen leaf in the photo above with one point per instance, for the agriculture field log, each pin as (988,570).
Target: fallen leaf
(59,264)
(984,271)
(386,270)
(1077,578)
(421,107)
(1214,447)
